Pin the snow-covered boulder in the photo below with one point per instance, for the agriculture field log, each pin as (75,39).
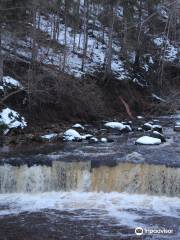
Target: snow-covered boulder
(156,134)
(104,140)
(177,128)
(157,128)
(86,136)
(11,119)
(140,117)
(146,140)
(77,125)
(9,83)
(149,126)
(118,126)
(115,125)
(93,140)
(49,137)
(72,135)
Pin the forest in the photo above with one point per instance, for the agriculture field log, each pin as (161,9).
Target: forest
(85,59)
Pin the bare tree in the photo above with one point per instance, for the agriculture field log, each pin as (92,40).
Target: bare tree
(1,55)
(110,42)
(85,42)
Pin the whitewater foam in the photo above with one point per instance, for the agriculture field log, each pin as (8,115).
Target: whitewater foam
(125,208)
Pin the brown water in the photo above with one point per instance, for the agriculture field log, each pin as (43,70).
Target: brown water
(87,191)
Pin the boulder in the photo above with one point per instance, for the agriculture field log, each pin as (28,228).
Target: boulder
(156,134)
(118,126)
(146,140)
(78,126)
(157,128)
(147,127)
(177,128)
(11,119)
(93,140)
(49,137)
(72,135)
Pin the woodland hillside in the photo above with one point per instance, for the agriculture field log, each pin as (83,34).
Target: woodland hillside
(89,59)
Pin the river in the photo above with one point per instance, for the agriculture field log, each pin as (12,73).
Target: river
(92,191)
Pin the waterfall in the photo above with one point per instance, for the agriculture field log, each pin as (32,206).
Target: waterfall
(81,176)
(61,176)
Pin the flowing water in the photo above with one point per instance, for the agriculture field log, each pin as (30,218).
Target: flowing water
(86,191)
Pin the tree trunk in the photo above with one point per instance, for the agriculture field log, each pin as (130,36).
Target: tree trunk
(109,50)
(1,56)
(85,43)
(65,39)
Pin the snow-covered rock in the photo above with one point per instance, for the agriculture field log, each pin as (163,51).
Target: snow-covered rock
(156,134)
(9,82)
(12,119)
(177,128)
(104,140)
(157,128)
(50,136)
(93,140)
(72,135)
(149,126)
(77,125)
(118,126)
(86,136)
(115,125)
(146,140)
(128,128)
(140,117)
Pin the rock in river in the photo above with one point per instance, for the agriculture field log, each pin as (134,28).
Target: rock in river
(118,126)
(72,135)
(146,140)
(156,134)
